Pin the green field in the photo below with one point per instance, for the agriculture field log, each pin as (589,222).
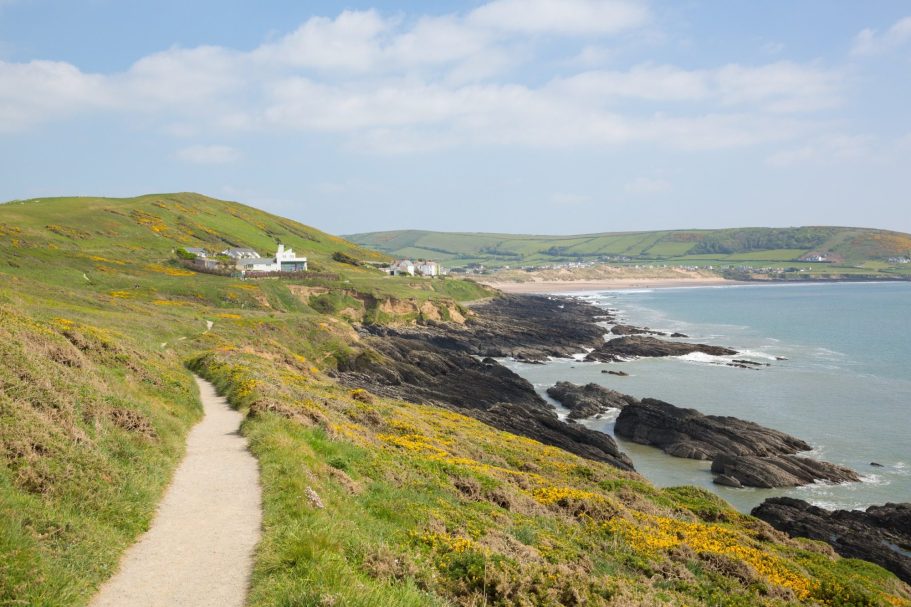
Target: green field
(422,506)
(759,247)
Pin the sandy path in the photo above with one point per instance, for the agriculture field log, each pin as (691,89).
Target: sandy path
(199,550)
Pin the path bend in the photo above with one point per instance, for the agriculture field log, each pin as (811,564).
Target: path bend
(199,550)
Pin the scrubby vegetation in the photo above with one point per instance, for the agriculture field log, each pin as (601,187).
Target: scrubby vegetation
(90,429)
(378,502)
(368,501)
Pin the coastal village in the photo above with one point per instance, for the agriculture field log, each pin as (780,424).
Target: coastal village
(248,262)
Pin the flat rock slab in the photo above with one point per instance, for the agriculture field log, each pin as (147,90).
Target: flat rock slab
(199,550)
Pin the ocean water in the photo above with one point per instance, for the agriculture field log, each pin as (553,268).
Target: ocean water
(845,387)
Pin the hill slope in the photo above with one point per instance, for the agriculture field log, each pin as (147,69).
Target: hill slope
(149,227)
(855,246)
(367,500)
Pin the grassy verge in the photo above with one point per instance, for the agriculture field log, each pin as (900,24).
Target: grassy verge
(89,433)
(371,501)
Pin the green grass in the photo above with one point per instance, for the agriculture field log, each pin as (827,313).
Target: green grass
(89,433)
(420,506)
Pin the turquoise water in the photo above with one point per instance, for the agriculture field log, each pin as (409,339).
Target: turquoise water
(845,387)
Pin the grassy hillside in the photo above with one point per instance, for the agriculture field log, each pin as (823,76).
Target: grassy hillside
(368,501)
(870,249)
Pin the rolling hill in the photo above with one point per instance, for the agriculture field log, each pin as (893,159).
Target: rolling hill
(850,247)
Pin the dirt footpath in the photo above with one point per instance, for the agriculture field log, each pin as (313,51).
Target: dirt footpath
(199,550)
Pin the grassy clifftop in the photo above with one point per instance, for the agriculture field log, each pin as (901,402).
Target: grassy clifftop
(368,501)
(852,246)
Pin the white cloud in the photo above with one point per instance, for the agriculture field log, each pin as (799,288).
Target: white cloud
(34,92)
(648,185)
(871,42)
(348,42)
(208,154)
(181,77)
(569,17)
(392,85)
(591,55)
(827,150)
(645,82)
(780,87)
(776,87)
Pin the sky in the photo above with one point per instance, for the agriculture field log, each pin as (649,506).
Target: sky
(520,116)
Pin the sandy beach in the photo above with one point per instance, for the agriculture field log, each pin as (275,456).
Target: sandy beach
(563,286)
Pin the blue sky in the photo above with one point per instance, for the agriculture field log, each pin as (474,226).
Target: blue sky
(542,116)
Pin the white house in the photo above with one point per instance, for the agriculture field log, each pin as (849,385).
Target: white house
(401,267)
(197,251)
(284,260)
(428,268)
(287,261)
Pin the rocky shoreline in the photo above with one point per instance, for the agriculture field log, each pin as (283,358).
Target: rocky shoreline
(636,346)
(453,366)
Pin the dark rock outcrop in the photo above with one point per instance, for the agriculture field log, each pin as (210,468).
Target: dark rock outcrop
(544,426)
(588,400)
(631,330)
(881,534)
(779,470)
(753,363)
(688,433)
(437,363)
(530,328)
(617,373)
(413,370)
(643,346)
(742,452)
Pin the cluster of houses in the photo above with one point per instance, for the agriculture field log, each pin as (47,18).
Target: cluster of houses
(248,260)
(406,267)
(899,260)
(285,260)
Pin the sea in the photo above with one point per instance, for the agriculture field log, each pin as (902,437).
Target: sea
(838,376)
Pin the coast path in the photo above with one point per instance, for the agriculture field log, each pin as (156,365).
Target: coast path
(199,549)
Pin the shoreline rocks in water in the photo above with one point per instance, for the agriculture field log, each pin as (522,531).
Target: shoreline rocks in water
(743,453)
(778,471)
(622,348)
(881,534)
(588,400)
(631,330)
(690,434)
